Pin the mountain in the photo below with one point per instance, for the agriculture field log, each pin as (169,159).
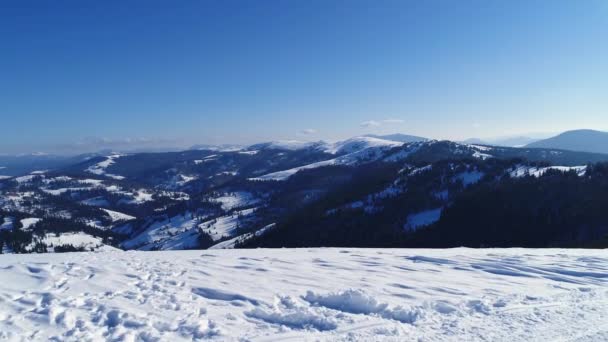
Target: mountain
(584,140)
(221,147)
(404,138)
(475,141)
(363,191)
(517,141)
(15,165)
(513,141)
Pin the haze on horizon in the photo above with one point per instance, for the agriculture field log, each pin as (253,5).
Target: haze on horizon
(77,77)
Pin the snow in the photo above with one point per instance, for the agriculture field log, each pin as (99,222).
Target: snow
(420,170)
(284,175)
(96,202)
(470,177)
(179,180)
(25,179)
(161,232)
(351,151)
(27,223)
(423,219)
(117,216)
(229,244)
(523,170)
(57,192)
(57,179)
(235,200)
(481,147)
(141,196)
(306,295)
(206,159)
(482,156)
(95,182)
(78,240)
(8,223)
(100,168)
(226,173)
(224,226)
(358,144)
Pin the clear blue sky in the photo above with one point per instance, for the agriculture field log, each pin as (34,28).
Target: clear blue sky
(74,73)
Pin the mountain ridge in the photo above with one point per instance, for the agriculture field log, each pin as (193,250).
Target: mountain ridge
(582,140)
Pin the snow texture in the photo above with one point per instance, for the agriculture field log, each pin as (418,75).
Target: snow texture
(306,295)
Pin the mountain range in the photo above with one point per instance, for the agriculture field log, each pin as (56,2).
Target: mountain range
(389,191)
(579,140)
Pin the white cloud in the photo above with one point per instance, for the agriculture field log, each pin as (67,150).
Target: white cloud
(393,121)
(370,123)
(375,123)
(308,131)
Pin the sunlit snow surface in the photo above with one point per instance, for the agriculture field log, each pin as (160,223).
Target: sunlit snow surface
(306,295)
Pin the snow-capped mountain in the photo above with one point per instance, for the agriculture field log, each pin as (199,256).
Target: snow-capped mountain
(363,191)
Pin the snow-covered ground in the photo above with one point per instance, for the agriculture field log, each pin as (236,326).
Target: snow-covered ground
(77,240)
(100,168)
(307,295)
(116,216)
(522,171)
(235,200)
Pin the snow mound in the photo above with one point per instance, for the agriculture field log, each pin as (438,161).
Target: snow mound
(357,302)
(287,312)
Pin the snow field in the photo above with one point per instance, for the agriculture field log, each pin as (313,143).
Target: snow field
(306,295)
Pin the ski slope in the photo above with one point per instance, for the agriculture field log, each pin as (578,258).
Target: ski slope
(306,295)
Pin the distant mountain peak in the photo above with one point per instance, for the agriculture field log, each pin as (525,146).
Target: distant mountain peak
(581,140)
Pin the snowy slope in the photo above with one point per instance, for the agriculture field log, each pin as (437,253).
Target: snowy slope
(357,144)
(306,295)
(351,152)
(235,200)
(100,168)
(78,240)
(521,171)
(116,216)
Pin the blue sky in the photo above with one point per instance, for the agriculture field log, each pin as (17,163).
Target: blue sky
(76,75)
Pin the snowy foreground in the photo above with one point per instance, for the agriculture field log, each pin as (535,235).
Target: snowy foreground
(307,294)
